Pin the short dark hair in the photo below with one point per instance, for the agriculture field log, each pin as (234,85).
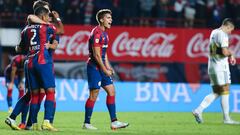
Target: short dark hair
(228,21)
(40,11)
(40,3)
(100,14)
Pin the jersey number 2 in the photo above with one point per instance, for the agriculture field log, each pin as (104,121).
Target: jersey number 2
(32,41)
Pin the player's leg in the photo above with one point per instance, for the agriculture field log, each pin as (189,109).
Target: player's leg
(9,87)
(108,86)
(208,99)
(94,83)
(34,107)
(24,111)
(110,101)
(34,81)
(93,94)
(224,92)
(22,104)
(48,79)
(49,109)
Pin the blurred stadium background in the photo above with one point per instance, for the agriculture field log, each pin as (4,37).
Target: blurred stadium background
(158,49)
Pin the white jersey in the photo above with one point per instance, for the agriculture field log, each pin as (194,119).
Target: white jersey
(216,61)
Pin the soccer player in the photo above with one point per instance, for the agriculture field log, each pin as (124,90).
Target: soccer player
(22,104)
(99,71)
(14,75)
(36,40)
(56,21)
(218,70)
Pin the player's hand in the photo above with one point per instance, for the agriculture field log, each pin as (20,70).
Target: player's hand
(113,72)
(108,72)
(232,60)
(47,45)
(55,14)
(10,85)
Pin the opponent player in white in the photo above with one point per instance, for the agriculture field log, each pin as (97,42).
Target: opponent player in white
(218,70)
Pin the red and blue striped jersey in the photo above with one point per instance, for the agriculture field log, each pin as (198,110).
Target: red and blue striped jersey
(18,62)
(98,38)
(33,41)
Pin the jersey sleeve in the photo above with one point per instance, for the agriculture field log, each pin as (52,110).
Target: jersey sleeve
(21,44)
(223,39)
(96,39)
(52,29)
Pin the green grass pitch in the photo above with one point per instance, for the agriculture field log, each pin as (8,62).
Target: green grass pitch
(141,123)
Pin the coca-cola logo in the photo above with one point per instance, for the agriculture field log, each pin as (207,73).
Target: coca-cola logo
(74,45)
(156,45)
(198,46)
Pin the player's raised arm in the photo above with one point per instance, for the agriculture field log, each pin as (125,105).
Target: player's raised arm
(34,19)
(58,24)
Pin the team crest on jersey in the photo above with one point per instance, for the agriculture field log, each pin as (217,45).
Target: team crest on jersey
(96,40)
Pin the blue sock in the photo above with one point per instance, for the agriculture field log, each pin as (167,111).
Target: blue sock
(34,107)
(111,107)
(21,105)
(24,113)
(49,105)
(88,110)
(9,97)
(53,115)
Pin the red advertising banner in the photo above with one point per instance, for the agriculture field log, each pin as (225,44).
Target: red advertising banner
(141,44)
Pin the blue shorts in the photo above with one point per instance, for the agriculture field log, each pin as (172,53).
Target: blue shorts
(96,77)
(41,76)
(17,80)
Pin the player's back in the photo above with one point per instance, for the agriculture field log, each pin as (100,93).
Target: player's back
(16,61)
(34,39)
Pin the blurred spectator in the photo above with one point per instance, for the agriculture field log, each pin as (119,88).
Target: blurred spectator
(218,13)
(178,9)
(189,14)
(19,13)
(237,11)
(88,11)
(146,7)
(130,10)
(116,11)
(160,11)
(74,12)
(201,8)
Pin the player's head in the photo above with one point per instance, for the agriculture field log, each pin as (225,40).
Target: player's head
(42,13)
(228,25)
(41,3)
(104,18)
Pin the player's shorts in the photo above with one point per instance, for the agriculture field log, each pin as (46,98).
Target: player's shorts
(220,79)
(41,76)
(96,77)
